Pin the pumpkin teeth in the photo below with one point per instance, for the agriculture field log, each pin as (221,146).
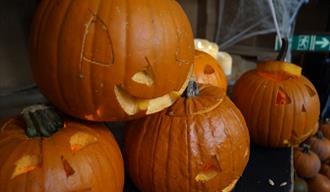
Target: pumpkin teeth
(80,140)
(132,105)
(25,164)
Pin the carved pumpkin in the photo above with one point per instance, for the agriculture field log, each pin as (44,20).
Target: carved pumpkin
(281,107)
(201,143)
(306,163)
(208,71)
(36,156)
(319,183)
(320,145)
(108,60)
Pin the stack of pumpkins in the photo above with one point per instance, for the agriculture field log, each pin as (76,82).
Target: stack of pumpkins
(114,60)
(312,162)
(282,109)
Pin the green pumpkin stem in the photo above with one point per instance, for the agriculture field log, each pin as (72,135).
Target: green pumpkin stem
(191,90)
(305,148)
(284,50)
(319,134)
(41,121)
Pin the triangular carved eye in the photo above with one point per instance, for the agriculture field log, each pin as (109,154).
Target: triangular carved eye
(282,98)
(97,43)
(208,70)
(310,91)
(303,108)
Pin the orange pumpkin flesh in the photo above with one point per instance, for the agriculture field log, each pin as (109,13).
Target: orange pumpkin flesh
(87,55)
(281,107)
(36,164)
(208,71)
(200,143)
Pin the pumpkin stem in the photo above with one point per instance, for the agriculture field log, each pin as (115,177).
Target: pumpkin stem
(191,90)
(306,148)
(284,50)
(41,121)
(319,134)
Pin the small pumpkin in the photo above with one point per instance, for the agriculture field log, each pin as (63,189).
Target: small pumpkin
(306,163)
(281,106)
(325,170)
(325,128)
(300,185)
(201,143)
(207,70)
(320,145)
(41,151)
(319,183)
(111,60)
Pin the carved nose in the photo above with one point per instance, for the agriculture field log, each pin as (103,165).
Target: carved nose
(144,77)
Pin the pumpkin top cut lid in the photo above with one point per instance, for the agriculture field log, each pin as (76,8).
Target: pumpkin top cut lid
(208,99)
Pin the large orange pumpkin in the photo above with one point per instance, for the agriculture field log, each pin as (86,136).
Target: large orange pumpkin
(201,143)
(108,60)
(208,71)
(78,157)
(281,107)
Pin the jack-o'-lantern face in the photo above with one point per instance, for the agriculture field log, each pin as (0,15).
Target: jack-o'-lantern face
(111,60)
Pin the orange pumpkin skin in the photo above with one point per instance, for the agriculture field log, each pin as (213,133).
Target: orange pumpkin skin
(325,128)
(306,163)
(280,109)
(57,163)
(198,144)
(208,71)
(319,183)
(84,51)
(320,145)
(325,170)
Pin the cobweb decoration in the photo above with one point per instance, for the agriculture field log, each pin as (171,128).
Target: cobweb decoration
(241,19)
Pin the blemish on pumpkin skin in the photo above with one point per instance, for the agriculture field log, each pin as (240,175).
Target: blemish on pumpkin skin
(25,164)
(69,171)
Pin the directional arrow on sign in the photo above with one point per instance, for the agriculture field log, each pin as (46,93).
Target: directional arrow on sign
(324,42)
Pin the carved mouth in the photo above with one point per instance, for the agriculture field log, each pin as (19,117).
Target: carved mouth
(132,105)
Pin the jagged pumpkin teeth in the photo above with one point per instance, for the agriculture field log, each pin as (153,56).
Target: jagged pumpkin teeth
(80,140)
(25,164)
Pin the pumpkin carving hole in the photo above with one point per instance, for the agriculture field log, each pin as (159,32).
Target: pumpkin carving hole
(303,109)
(80,140)
(25,164)
(144,77)
(208,172)
(208,70)
(69,171)
(282,98)
(310,91)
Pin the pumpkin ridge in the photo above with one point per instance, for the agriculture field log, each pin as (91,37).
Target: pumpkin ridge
(254,112)
(57,70)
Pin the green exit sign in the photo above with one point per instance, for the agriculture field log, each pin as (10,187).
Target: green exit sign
(307,43)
